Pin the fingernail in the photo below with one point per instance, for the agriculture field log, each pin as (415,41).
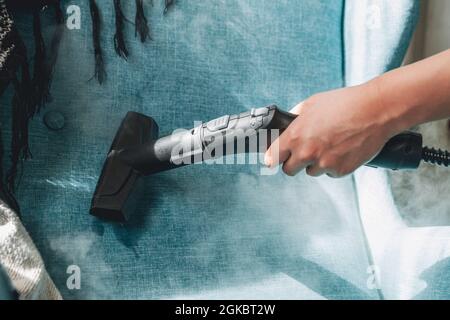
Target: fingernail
(268,159)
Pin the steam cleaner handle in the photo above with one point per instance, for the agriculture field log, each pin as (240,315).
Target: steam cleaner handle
(403,151)
(183,147)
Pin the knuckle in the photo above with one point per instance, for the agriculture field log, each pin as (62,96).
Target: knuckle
(327,162)
(302,156)
(310,171)
(290,174)
(306,154)
(288,171)
(293,137)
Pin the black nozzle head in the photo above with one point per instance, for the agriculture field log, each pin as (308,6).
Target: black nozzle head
(113,198)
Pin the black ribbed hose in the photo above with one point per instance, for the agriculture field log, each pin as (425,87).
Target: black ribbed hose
(436,156)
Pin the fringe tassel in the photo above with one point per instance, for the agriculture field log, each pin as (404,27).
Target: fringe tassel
(22,102)
(119,42)
(30,94)
(141,23)
(39,74)
(43,69)
(54,48)
(19,146)
(100,71)
(168,4)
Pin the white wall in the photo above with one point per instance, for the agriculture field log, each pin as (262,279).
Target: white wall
(416,193)
(437,31)
(433,32)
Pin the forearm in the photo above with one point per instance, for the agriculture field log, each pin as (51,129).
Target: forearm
(340,130)
(415,94)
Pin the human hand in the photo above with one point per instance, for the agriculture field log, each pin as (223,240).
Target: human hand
(336,132)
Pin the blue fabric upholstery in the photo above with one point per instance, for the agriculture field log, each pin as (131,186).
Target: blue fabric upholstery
(204,231)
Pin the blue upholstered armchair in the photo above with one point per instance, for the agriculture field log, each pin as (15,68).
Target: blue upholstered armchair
(222,231)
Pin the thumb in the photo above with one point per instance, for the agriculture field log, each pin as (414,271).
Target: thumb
(298,108)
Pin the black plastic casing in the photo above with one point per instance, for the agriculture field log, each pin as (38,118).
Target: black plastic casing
(113,196)
(404,151)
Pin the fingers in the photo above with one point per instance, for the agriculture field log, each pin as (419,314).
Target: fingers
(316,171)
(296,164)
(288,150)
(278,152)
(294,156)
(328,165)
